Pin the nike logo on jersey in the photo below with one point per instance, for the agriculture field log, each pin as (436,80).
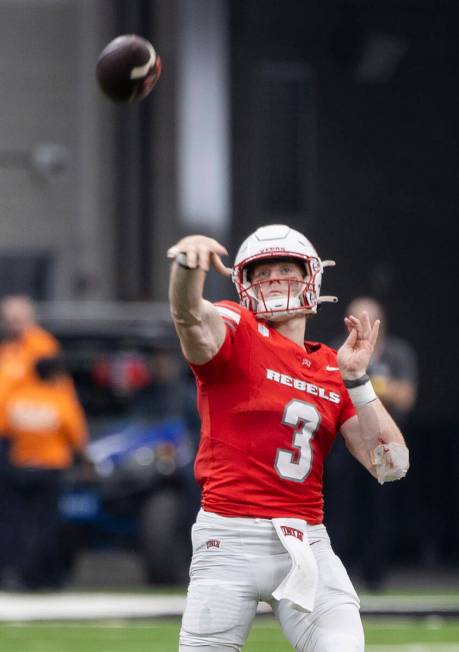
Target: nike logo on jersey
(303,386)
(328,368)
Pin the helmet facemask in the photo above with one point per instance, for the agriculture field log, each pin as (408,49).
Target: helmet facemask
(294,297)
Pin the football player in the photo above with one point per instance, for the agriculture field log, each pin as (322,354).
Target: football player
(271,404)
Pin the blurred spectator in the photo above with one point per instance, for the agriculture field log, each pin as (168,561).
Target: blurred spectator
(393,368)
(23,341)
(374,513)
(45,428)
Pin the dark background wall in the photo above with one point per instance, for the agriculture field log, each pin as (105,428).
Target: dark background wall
(355,144)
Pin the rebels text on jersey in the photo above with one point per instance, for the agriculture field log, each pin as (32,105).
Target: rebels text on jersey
(270,411)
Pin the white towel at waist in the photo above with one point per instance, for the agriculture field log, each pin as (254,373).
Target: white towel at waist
(300,584)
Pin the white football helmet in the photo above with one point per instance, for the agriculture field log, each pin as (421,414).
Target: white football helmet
(301,297)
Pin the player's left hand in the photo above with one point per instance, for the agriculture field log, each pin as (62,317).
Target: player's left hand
(355,353)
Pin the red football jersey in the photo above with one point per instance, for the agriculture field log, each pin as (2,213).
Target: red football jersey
(270,411)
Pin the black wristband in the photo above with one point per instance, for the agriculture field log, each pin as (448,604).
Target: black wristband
(180,259)
(357,382)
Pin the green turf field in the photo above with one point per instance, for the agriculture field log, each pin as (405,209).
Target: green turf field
(427,635)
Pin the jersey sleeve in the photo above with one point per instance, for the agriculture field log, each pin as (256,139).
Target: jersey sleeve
(232,315)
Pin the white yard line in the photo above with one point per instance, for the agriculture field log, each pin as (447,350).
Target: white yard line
(87,606)
(100,606)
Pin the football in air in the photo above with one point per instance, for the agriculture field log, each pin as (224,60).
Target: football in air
(128,68)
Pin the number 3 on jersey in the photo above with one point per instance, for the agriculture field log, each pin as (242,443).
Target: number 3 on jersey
(305,418)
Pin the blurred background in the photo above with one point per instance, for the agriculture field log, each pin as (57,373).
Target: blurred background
(339,118)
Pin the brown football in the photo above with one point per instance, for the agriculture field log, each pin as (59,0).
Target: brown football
(128,68)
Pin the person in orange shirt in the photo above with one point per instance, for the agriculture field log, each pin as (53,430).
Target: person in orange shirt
(24,341)
(45,427)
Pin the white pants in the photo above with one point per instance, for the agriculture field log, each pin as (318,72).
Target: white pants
(238,562)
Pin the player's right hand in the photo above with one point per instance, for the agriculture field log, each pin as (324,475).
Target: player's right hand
(200,252)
